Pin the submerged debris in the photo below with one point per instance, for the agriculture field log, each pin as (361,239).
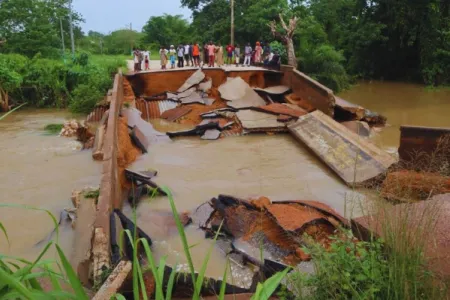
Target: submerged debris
(70,128)
(354,159)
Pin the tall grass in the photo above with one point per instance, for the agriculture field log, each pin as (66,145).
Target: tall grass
(22,279)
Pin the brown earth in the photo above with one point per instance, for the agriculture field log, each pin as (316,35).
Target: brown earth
(127,152)
(128,94)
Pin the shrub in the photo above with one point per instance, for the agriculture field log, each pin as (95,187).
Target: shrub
(325,64)
(277,46)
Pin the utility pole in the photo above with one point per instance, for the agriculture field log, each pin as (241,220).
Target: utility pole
(71,29)
(232,22)
(62,37)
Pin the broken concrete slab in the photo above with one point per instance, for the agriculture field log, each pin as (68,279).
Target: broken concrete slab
(175,113)
(198,130)
(97,151)
(223,123)
(209,101)
(205,86)
(274,90)
(285,119)
(84,232)
(195,79)
(141,179)
(351,111)
(194,97)
(211,134)
(178,96)
(134,119)
(139,139)
(255,121)
(281,109)
(114,282)
(354,159)
(240,94)
(359,127)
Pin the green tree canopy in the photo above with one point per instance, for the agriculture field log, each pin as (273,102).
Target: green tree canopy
(31,26)
(166,30)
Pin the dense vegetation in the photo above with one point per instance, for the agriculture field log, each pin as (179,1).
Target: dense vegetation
(335,41)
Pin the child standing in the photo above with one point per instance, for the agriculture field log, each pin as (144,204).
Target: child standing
(146,62)
(163,57)
(172,54)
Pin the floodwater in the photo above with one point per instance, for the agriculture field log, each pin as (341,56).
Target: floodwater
(402,104)
(274,166)
(38,170)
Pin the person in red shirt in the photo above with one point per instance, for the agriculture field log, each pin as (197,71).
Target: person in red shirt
(229,50)
(196,54)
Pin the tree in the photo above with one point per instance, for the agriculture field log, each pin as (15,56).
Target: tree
(32,26)
(121,41)
(166,30)
(286,37)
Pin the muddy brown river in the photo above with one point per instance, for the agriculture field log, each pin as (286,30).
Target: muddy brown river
(38,170)
(42,170)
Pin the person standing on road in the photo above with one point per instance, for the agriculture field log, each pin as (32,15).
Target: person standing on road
(237,54)
(163,57)
(219,56)
(146,63)
(248,54)
(141,59)
(205,54)
(136,60)
(258,52)
(180,56)
(186,54)
(172,56)
(230,50)
(196,54)
(211,51)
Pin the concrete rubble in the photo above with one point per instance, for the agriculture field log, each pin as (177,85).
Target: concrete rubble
(240,94)
(353,159)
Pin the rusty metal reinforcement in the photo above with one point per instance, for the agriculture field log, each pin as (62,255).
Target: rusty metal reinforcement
(110,190)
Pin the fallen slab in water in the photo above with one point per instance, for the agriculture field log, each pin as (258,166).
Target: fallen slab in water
(281,109)
(354,159)
(255,121)
(176,113)
(240,94)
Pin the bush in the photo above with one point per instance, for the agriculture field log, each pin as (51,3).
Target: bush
(52,83)
(277,46)
(325,64)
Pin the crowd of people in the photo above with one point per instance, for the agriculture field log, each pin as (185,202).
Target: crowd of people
(210,54)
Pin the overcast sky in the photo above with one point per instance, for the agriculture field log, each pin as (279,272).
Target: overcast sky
(108,15)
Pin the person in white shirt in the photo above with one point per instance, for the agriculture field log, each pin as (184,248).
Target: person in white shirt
(187,48)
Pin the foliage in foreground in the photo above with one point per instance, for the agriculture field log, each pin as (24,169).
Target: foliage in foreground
(44,82)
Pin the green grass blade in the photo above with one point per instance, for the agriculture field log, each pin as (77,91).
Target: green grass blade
(161,268)
(119,297)
(170,283)
(30,268)
(224,281)
(15,284)
(35,285)
(141,281)
(266,289)
(201,275)
(73,279)
(151,261)
(11,111)
(182,234)
(2,228)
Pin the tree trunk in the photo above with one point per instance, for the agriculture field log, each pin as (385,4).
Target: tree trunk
(292,60)
(4,105)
